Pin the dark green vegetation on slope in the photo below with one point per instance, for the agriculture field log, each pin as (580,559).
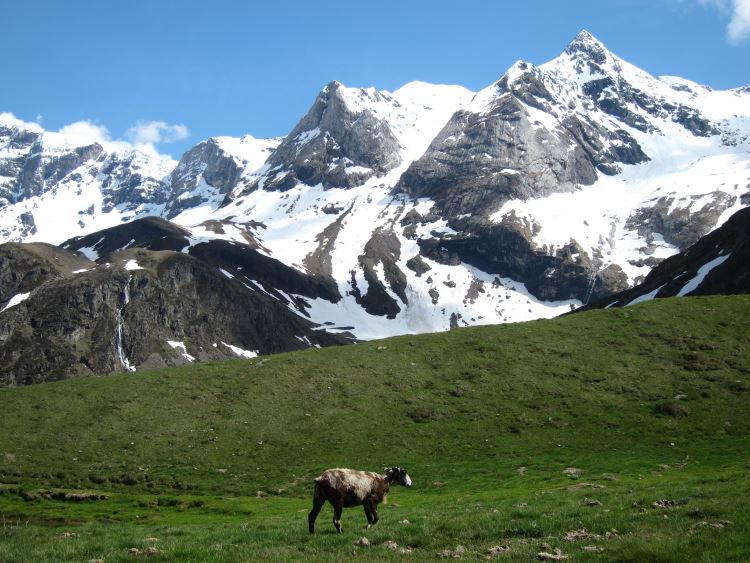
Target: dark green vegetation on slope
(651,402)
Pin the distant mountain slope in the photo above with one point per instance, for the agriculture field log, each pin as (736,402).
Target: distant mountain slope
(718,264)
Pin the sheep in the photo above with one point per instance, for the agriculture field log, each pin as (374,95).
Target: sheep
(349,487)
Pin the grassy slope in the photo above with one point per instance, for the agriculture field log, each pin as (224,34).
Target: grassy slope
(180,451)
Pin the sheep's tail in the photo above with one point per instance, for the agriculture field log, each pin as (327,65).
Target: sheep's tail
(318,497)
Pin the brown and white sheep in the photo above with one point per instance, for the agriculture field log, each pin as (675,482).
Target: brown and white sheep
(349,487)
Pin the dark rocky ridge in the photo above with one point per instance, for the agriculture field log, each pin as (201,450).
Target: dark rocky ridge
(505,249)
(242,260)
(151,233)
(731,276)
(100,321)
(384,250)
(24,267)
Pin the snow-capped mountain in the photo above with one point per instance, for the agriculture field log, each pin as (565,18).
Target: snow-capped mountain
(56,185)
(423,209)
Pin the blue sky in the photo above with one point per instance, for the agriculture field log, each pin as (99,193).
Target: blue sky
(176,72)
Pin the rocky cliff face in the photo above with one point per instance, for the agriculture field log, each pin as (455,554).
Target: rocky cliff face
(341,142)
(139,309)
(212,169)
(511,144)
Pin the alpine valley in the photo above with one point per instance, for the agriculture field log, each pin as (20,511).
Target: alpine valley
(381,213)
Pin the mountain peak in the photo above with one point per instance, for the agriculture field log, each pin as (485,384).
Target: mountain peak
(586,45)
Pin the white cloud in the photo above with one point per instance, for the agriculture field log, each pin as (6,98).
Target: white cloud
(143,136)
(738,28)
(154,132)
(87,130)
(10,120)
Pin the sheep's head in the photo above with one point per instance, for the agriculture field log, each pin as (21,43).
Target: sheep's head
(398,475)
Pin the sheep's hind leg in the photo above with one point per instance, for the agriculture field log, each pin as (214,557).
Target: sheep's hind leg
(318,502)
(337,510)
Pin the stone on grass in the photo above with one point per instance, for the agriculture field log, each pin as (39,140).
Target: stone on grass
(457,553)
(663,503)
(498,550)
(577,535)
(362,542)
(556,556)
(390,544)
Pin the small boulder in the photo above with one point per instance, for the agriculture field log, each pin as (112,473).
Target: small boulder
(362,542)
(390,544)
(573,472)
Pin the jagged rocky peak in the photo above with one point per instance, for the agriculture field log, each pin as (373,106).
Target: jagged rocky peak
(509,143)
(586,47)
(589,75)
(344,139)
(208,159)
(206,166)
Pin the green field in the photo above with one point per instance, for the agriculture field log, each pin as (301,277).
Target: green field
(214,462)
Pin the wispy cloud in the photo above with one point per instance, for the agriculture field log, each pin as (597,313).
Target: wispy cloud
(143,136)
(155,132)
(87,130)
(738,11)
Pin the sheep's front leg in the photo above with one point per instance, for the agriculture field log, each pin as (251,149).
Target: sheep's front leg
(374,510)
(371,510)
(337,510)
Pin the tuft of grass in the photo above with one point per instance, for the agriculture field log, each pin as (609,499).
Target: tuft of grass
(216,460)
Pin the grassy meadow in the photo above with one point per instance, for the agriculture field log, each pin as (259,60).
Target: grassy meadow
(615,435)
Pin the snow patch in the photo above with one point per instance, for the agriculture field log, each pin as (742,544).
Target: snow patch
(15,300)
(180,347)
(647,297)
(237,351)
(703,271)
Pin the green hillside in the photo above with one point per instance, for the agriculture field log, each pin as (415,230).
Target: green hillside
(651,403)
